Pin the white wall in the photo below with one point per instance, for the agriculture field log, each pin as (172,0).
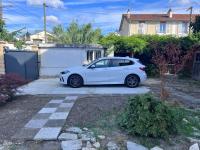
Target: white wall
(55,60)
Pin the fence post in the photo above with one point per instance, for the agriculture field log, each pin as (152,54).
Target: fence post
(2,66)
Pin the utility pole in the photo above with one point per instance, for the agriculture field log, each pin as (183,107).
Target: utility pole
(1,10)
(45,21)
(191,11)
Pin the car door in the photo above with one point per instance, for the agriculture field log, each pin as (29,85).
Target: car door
(120,69)
(98,72)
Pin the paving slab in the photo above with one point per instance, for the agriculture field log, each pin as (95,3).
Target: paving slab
(47,110)
(42,116)
(52,86)
(59,115)
(35,124)
(55,123)
(66,105)
(71,145)
(48,133)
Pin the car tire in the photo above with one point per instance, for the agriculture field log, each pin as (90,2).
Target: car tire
(132,81)
(75,81)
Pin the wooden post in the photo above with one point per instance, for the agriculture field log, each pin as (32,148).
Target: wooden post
(2,66)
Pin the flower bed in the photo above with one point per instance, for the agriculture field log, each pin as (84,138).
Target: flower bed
(8,87)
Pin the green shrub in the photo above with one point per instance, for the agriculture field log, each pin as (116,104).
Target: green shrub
(152,70)
(146,116)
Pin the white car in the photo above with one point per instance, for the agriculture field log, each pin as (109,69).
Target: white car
(115,70)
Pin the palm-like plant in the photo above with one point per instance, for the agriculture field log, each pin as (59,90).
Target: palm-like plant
(76,34)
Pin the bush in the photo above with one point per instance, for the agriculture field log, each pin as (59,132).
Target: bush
(146,116)
(8,86)
(152,70)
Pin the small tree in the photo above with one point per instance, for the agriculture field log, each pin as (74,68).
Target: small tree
(169,54)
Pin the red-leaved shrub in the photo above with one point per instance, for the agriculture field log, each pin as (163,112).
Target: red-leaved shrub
(8,86)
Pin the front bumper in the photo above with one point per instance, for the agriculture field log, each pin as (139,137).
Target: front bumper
(63,78)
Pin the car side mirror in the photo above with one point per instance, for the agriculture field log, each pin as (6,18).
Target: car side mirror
(92,67)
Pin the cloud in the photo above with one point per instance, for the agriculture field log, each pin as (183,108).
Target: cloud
(18,19)
(184,2)
(52,3)
(86,2)
(53,19)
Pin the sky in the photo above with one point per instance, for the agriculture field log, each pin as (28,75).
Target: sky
(103,14)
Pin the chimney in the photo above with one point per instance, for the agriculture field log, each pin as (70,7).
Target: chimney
(128,14)
(169,13)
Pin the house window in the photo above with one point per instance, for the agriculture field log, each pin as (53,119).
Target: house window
(89,56)
(98,54)
(141,29)
(184,27)
(163,27)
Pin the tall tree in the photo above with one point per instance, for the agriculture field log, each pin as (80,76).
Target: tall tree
(76,34)
(196,25)
(10,37)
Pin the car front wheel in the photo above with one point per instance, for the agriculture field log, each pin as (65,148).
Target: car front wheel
(132,81)
(75,81)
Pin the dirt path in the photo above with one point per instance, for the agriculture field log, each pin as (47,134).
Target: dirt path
(185,92)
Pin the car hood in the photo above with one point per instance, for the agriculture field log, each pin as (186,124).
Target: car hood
(78,68)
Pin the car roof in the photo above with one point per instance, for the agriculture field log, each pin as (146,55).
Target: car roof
(128,58)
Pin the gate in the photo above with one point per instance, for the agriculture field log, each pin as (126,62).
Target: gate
(23,63)
(196,67)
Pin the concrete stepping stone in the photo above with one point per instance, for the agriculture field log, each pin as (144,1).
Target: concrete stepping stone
(59,115)
(35,124)
(48,134)
(71,145)
(47,110)
(66,105)
(74,130)
(67,136)
(134,146)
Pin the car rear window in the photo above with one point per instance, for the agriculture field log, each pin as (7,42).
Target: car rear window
(121,62)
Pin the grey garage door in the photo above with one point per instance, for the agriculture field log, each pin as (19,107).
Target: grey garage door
(23,63)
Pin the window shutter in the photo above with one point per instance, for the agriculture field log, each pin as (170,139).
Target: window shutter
(167,28)
(180,28)
(158,28)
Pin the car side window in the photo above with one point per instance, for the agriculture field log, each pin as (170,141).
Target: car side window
(102,63)
(121,62)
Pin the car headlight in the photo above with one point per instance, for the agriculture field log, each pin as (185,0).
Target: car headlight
(65,72)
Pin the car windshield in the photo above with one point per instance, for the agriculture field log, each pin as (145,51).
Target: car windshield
(91,63)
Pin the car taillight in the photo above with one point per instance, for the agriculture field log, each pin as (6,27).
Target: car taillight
(142,68)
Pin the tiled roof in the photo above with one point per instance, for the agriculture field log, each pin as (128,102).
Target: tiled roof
(159,17)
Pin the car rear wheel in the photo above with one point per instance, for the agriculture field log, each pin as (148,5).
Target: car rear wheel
(75,81)
(132,81)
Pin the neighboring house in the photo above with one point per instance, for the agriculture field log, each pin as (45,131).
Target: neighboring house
(161,24)
(55,58)
(38,38)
